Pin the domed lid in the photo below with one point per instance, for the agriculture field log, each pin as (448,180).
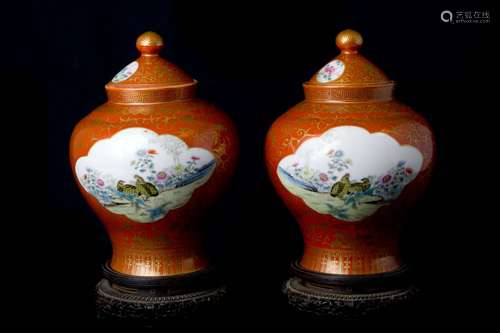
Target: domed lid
(349,77)
(150,78)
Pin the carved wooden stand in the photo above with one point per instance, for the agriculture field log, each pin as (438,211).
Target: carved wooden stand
(151,299)
(350,297)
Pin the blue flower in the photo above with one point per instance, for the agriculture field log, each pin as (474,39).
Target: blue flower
(401,163)
(141,152)
(339,153)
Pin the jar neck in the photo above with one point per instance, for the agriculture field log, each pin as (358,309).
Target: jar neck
(349,93)
(142,94)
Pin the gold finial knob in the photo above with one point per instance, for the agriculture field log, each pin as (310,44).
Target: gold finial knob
(149,43)
(349,41)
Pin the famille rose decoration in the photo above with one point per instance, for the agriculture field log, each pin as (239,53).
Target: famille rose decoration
(143,175)
(349,161)
(150,162)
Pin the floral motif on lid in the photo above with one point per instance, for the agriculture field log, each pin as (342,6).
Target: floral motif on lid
(349,67)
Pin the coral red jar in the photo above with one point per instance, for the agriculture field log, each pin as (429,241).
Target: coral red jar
(150,161)
(349,161)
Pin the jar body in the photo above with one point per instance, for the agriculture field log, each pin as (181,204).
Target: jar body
(348,172)
(178,157)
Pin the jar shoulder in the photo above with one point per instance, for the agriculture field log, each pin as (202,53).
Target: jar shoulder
(381,112)
(308,120)
(194,110)
(312,119)
(196,122)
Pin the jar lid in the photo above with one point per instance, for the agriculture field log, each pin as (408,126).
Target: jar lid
(349,77)
(150,78)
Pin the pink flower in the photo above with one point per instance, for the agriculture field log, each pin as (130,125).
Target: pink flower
(386,178)
(100,182)
(409,171)
(295,164)
(161,175)
(323,177)
(195,158)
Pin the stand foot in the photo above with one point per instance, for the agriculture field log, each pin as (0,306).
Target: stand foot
(119,296)
(350,297)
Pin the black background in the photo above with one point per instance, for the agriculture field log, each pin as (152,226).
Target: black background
(251,58)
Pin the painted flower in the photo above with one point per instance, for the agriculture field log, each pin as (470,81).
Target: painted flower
(141,152)
(339,153)
(161,175)
(100,182)
(323,177)
(195,158)
(386,178)
(152,152)
(409,171)
(295,164)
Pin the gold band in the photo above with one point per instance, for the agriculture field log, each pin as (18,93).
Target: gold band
(150,95)
(347,94)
